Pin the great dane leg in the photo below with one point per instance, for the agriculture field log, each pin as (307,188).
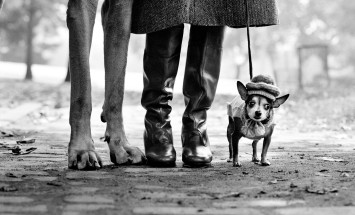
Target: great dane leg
(80,21)
(116,20)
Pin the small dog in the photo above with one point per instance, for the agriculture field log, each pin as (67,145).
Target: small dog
(251,116)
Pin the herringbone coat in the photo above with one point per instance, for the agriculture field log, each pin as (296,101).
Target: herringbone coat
(154,15)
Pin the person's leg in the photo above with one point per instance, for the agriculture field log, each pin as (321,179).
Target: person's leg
(161,61)
(116,22)
(80,20)
(199,88)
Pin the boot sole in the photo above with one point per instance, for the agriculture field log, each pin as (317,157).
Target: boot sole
(197,165)
(161,164)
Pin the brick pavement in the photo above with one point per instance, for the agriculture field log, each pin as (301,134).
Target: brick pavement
(40,183)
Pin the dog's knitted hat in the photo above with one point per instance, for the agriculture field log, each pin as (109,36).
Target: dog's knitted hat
(263,85)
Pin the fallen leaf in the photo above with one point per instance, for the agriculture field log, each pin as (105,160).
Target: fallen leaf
(292,185)
(345,175)
(273,181)
(320,191)
(315,190)
(228,195)
(28,151)
(262,192)
(18,151)
(10,175)
(8,189)
(55,183)
(227,173)
(6,134)
(334,190)
(26,141)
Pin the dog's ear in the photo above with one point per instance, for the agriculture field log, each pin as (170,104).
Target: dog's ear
(242,90)
(280,100)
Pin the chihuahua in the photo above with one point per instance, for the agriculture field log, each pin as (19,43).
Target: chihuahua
(251,116)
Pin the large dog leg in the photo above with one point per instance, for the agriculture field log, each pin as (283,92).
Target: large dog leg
(80,21)
(116,21)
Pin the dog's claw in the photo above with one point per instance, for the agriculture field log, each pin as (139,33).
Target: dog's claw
(119,156)
(265,163)
(237,164)
(126,155)
(121,152)
(255,160)
(84,160)
(136,155)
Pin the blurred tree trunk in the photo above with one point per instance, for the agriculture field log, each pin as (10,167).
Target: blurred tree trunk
(1,2)
(30,29)
(272,55)
(67,78)
(300,64)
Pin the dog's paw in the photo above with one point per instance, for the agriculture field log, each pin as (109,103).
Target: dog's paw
(135,154)
(255,160)
(119,156)
(83,159)
(237,164)
(265,163)
(229,160)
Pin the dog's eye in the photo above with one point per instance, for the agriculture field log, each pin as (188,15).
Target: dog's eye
(251,104)
(267,107)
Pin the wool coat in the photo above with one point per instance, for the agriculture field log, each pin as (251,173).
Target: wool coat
(154,15)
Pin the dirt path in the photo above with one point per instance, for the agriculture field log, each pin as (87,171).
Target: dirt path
(311,172)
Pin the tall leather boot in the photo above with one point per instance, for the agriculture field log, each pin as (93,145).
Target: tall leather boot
(161,60)
(199,88)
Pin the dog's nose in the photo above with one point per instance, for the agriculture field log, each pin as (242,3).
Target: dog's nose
(258,113)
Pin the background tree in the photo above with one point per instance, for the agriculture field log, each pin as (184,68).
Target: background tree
(67,77)
(29,29)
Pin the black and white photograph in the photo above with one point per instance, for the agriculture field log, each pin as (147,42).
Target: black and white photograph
(196,107)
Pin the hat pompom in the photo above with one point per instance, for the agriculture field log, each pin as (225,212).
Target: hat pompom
(263,78)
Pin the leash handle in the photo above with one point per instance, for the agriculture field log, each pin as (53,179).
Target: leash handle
(248,35)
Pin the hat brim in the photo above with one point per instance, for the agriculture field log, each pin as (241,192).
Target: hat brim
(266,88)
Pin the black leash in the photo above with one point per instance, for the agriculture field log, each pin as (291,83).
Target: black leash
(248,35)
